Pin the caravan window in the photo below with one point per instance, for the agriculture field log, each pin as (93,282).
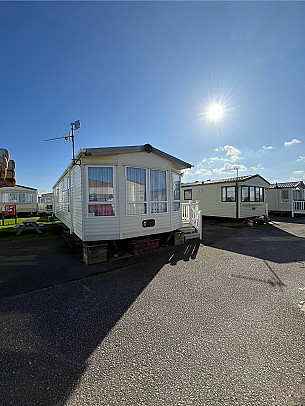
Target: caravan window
(22,198)
(228,194)
(261,194)
(176,191)
(101,192)
(188,194)
(136,191)
(285,196)
(30,198)
(252,194)
(158,191)
(245,194)
(5,198)
(13,198)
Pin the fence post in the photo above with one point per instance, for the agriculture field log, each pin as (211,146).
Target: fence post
(200,224)
(292,211)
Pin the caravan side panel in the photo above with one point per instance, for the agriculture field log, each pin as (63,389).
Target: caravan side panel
(100,228)
(209,198)
(275,202)
(76,201)
(272,199)
(25,199)
(252,209)
(131,225)
(61,201)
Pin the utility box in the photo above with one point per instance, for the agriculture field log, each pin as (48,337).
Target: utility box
(9,210)
(94,254)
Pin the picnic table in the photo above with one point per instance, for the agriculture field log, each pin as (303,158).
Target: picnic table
(28,223)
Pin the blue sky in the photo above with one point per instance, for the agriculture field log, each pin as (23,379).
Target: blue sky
(147,72)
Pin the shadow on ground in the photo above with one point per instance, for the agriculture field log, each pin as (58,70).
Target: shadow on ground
(47,336)
(281,241)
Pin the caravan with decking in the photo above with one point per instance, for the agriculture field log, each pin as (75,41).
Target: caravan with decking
(286,197)
(238,197)
(116,193)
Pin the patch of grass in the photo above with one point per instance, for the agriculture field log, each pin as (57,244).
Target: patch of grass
(8,233)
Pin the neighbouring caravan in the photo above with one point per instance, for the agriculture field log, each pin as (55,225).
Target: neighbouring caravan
(241,197)
(286,197)
(25,198)
(45,203)
(120,192)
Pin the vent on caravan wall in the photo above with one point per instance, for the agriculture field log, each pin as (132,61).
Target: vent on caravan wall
(148,223)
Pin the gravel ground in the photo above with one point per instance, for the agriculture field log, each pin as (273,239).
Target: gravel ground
(223,325)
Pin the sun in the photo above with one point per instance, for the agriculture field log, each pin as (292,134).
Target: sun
(215,112)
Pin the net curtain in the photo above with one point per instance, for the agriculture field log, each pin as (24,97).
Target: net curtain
(100,184)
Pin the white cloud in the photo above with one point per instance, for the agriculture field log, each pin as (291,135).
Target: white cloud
(203,160)
(216,158)
(234,158)
(292,142)
(186,172)
(229,169)
(230,150)
(257,168)
(202,171)
(298,172)
(265,148)
(301,158)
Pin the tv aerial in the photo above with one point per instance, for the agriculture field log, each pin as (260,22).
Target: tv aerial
(70,137)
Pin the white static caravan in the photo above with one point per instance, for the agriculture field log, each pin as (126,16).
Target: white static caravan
(286,197)
(45,203)
(218,198)
(25,198)
(116,193)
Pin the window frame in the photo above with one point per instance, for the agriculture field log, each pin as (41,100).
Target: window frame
(12,201)
(30,198)
(226,188)
(173,183)
(146,192)
(19,197)
(285,200)
(5,198)
(114,202)
(167,191)
(261,194)
(187,190)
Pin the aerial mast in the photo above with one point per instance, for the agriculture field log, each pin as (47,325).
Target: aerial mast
(70,137)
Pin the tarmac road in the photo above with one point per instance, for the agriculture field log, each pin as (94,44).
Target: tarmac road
(216,325)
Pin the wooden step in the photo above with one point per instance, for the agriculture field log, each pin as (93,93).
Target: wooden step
(187,230)
(186,225)
(191,236)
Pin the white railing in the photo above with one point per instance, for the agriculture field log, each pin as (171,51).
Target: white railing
(192,215)
(298,207)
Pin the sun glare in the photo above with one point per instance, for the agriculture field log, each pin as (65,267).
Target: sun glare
(215,112)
